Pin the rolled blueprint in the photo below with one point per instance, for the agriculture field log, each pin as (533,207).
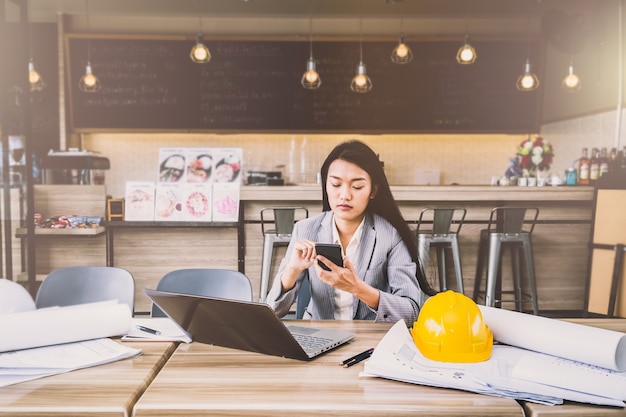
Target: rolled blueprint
(55,325)
(577,342)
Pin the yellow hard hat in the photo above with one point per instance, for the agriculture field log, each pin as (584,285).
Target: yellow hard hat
(450,328)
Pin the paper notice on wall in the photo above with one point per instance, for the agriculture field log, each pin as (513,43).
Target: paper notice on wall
(196,202)
(226,202)
(167,202)
(139,201)
(172,163)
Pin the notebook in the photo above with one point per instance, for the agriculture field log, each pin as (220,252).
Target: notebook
(245,325)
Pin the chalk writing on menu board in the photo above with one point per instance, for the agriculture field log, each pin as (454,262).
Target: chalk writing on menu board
(151,84)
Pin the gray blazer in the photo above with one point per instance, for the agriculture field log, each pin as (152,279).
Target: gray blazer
(383,262)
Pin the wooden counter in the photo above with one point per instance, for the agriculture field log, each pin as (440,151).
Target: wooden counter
(560,239)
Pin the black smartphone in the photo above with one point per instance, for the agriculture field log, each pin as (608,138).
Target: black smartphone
(330,251)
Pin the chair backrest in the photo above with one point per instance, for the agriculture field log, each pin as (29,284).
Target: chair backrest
(442,219)
(513,220)
(220,283)
(86,284)
(283,219)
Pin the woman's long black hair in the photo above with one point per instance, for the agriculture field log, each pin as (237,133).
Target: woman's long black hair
(383,203)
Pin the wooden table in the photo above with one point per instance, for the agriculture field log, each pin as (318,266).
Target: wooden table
(200,380)
(574,409)
(107,390)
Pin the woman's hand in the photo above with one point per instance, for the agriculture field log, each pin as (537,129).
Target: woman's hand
(347,280)
(302,257)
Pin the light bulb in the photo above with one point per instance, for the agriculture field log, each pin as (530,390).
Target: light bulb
(467,54)
(402,50)
(89,80)
(33,77)
(360,80)
(311,76)
(200,53)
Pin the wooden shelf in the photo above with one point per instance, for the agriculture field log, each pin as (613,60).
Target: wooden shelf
(66,232)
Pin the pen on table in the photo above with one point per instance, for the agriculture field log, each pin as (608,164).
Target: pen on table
(357,358)
(149,330)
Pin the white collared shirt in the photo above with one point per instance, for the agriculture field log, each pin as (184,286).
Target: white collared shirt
(343,299)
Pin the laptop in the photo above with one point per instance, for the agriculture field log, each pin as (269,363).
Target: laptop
(244,325)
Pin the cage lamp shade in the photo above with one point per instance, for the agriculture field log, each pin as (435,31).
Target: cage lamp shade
(361,83)
(528,81)
(466,54)
(401,54)
(311,79)
(199,52)
(34,78)
(571,82)
(89,83)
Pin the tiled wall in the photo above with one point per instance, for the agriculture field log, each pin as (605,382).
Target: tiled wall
(461,159)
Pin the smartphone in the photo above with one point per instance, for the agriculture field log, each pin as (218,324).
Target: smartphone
(330,251)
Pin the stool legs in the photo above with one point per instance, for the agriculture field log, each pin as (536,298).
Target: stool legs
(492,269)
(456,258)
(266,265)
(423,245)
(530,267)
(490,249)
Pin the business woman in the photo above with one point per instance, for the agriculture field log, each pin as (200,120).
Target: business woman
(381,278)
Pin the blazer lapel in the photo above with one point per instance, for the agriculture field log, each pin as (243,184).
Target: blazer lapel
(366,250)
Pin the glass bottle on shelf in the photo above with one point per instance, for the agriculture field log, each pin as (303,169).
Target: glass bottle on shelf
(594,166)
(604,163)
(613,161)
(583,168)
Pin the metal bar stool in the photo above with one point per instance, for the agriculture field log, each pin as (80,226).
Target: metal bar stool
(441,237)
(509,227)
(283,220)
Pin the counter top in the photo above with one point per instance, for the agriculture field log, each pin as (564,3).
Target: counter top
(312,192)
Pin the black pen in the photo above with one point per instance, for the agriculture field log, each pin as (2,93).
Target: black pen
(149,330)
(357,358)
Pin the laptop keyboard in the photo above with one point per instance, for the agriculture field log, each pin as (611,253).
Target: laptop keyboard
(311,342)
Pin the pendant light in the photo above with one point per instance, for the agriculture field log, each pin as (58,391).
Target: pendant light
(571,83)
(527,81)
(361,83)
(466,54)
(199,52)
(311,79)
(401,54)
(34,78)
(89,82)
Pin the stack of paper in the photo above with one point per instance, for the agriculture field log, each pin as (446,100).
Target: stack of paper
(28,364)
(567,362)
(155,329)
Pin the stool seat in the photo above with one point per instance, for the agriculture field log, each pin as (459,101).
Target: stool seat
(509,228)
(283,219)
(442,235)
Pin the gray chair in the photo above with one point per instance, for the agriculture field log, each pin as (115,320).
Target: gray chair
(446,225)
(508,227)
(86,284)
(220,283)
(283,219)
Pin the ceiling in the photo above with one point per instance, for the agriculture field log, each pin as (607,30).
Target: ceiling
(298,17)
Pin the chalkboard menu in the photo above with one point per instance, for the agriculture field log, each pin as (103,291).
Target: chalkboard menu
(254,85)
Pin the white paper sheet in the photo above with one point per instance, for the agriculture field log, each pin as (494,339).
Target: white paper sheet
(29,364)
(396,357)
(55,325)
(168,329)
(580,343)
